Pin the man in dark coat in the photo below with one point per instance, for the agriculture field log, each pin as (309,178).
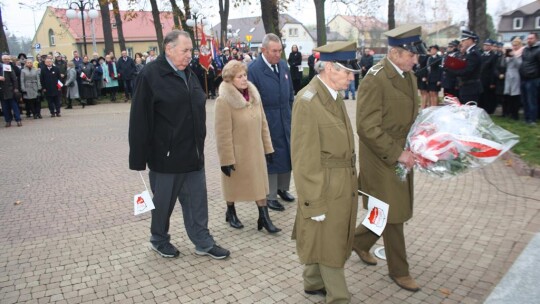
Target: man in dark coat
(167,129)
(295,64)
(8,90)
(50,77)
(127,71)
(272,78)
(196,67)
(470,86)
(366,62)
(449,80)
(529,71)
(488,100)
(61,64)
(311,65)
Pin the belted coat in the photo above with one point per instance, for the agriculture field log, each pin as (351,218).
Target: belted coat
(323,159)
(277,96)
(385,112)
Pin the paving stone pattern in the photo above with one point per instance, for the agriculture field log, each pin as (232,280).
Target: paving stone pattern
(68,234)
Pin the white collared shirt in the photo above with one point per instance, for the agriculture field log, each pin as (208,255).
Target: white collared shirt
(400,71)
(269,64)
(333,92)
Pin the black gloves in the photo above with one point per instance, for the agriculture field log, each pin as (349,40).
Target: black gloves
(269,158)
(227,170)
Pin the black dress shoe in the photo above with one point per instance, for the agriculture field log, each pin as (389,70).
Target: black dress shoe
(320,292)
(286,196)
(275,205)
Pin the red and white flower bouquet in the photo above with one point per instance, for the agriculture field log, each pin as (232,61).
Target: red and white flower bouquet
(453,139)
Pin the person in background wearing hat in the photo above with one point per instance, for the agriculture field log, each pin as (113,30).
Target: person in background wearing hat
(434,75)
(449,80)
(324,164)
(270,74)
(529,72)
(225,56)
(387,107)
(488,100)
(470,86)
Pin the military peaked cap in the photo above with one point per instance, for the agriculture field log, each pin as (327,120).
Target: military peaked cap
(407,37)
(343,53)
(466,34)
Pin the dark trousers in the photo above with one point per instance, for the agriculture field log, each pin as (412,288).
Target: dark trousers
(190,189)
(511,106)
(54,104)
(488,100)
(35,104)
(529,98)
(394,246)
(28,107)
(128,88)
(9,105)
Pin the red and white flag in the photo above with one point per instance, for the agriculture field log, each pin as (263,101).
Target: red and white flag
(83,75)
(59,85)
(377,215)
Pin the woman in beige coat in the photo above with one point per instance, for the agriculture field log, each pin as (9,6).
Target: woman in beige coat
(243,140)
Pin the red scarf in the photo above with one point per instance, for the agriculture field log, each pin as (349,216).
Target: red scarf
(245,93)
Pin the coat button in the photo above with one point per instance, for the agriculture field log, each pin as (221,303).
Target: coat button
(306,203)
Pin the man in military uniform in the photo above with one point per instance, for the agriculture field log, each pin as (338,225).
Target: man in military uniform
(386,110)
(487,76)
(449,81)
(323,160)
(470,86)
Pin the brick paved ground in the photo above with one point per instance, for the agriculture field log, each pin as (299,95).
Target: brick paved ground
(72,237)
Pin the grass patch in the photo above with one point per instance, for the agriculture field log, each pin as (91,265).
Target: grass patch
(528,147)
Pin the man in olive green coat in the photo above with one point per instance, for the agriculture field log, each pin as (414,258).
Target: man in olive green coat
(387,107)
(323,160)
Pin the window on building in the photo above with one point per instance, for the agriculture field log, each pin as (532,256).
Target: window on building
(537,22)
(113,25)
(293,32)
(51,38)
(518,23)
(154,48)
(129,51)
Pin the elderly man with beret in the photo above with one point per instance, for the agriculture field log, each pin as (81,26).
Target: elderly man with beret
(387,107)
(323,160)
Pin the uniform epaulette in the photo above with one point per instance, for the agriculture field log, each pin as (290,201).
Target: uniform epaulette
(308,94)
(375,69)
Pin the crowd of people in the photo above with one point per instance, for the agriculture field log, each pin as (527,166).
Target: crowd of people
(54,78)
(495,75)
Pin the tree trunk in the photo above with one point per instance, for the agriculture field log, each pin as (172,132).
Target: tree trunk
(107,29)
(3,39)
(157,25)
(118,19)
(224,19)
(187,28)
(391,14)
(478,18)
(321,22)
(270,17)
(176,14)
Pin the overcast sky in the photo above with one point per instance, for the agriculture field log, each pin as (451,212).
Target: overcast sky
(20,19)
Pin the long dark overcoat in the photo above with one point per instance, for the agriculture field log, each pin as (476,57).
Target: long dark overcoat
(277,95)
(387,107)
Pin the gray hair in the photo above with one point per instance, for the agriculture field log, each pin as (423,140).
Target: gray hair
(270,37)
(320,65)
(172,37)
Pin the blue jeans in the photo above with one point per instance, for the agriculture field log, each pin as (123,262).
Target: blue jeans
(190,189)
(529,98)
(9,105)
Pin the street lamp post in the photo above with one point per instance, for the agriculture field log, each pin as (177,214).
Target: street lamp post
(33,9)
(82,6)
(195,15)
(231,34)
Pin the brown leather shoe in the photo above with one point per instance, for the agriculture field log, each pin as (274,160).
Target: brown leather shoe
(406,282)
(366,257)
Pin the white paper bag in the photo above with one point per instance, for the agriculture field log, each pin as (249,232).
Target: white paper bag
(377,215)
(142,202)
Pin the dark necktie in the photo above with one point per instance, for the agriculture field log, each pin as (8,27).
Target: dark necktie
(275,70)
